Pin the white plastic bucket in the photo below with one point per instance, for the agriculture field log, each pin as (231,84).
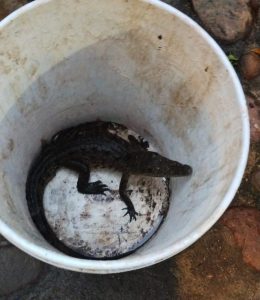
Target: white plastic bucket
(140,63)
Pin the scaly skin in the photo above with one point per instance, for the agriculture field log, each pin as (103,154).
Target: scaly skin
(83,147)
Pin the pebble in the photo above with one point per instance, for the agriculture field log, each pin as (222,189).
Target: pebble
(250,65)
(227,20)
(212,268)
(156,282)
(256,180)
(255,4)
(245,225)
(17,270)
(254,116)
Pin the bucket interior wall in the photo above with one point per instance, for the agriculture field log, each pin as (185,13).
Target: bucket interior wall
(121,61)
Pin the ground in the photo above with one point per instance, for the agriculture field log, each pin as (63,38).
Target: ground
(225,262)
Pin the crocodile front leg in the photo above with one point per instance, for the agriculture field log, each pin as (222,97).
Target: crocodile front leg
(129,204)
(83,184)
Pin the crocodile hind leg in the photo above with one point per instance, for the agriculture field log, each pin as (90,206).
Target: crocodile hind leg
(130,210)
(83,184)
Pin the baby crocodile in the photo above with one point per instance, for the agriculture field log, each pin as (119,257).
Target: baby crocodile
(82,148)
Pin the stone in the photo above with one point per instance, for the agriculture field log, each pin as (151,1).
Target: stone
(213,268)
(254,116)
(254,87)
(228,20)
(250,65)
(17,270)
(156,282)
(256,180)
(245,225)
(255,4)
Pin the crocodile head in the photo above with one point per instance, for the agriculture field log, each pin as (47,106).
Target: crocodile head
(153,164)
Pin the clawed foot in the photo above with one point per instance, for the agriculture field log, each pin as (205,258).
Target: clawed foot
(96,188)
(131,212)
(144,143)
(141,142)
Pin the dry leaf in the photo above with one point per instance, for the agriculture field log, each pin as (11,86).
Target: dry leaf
(256,51)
